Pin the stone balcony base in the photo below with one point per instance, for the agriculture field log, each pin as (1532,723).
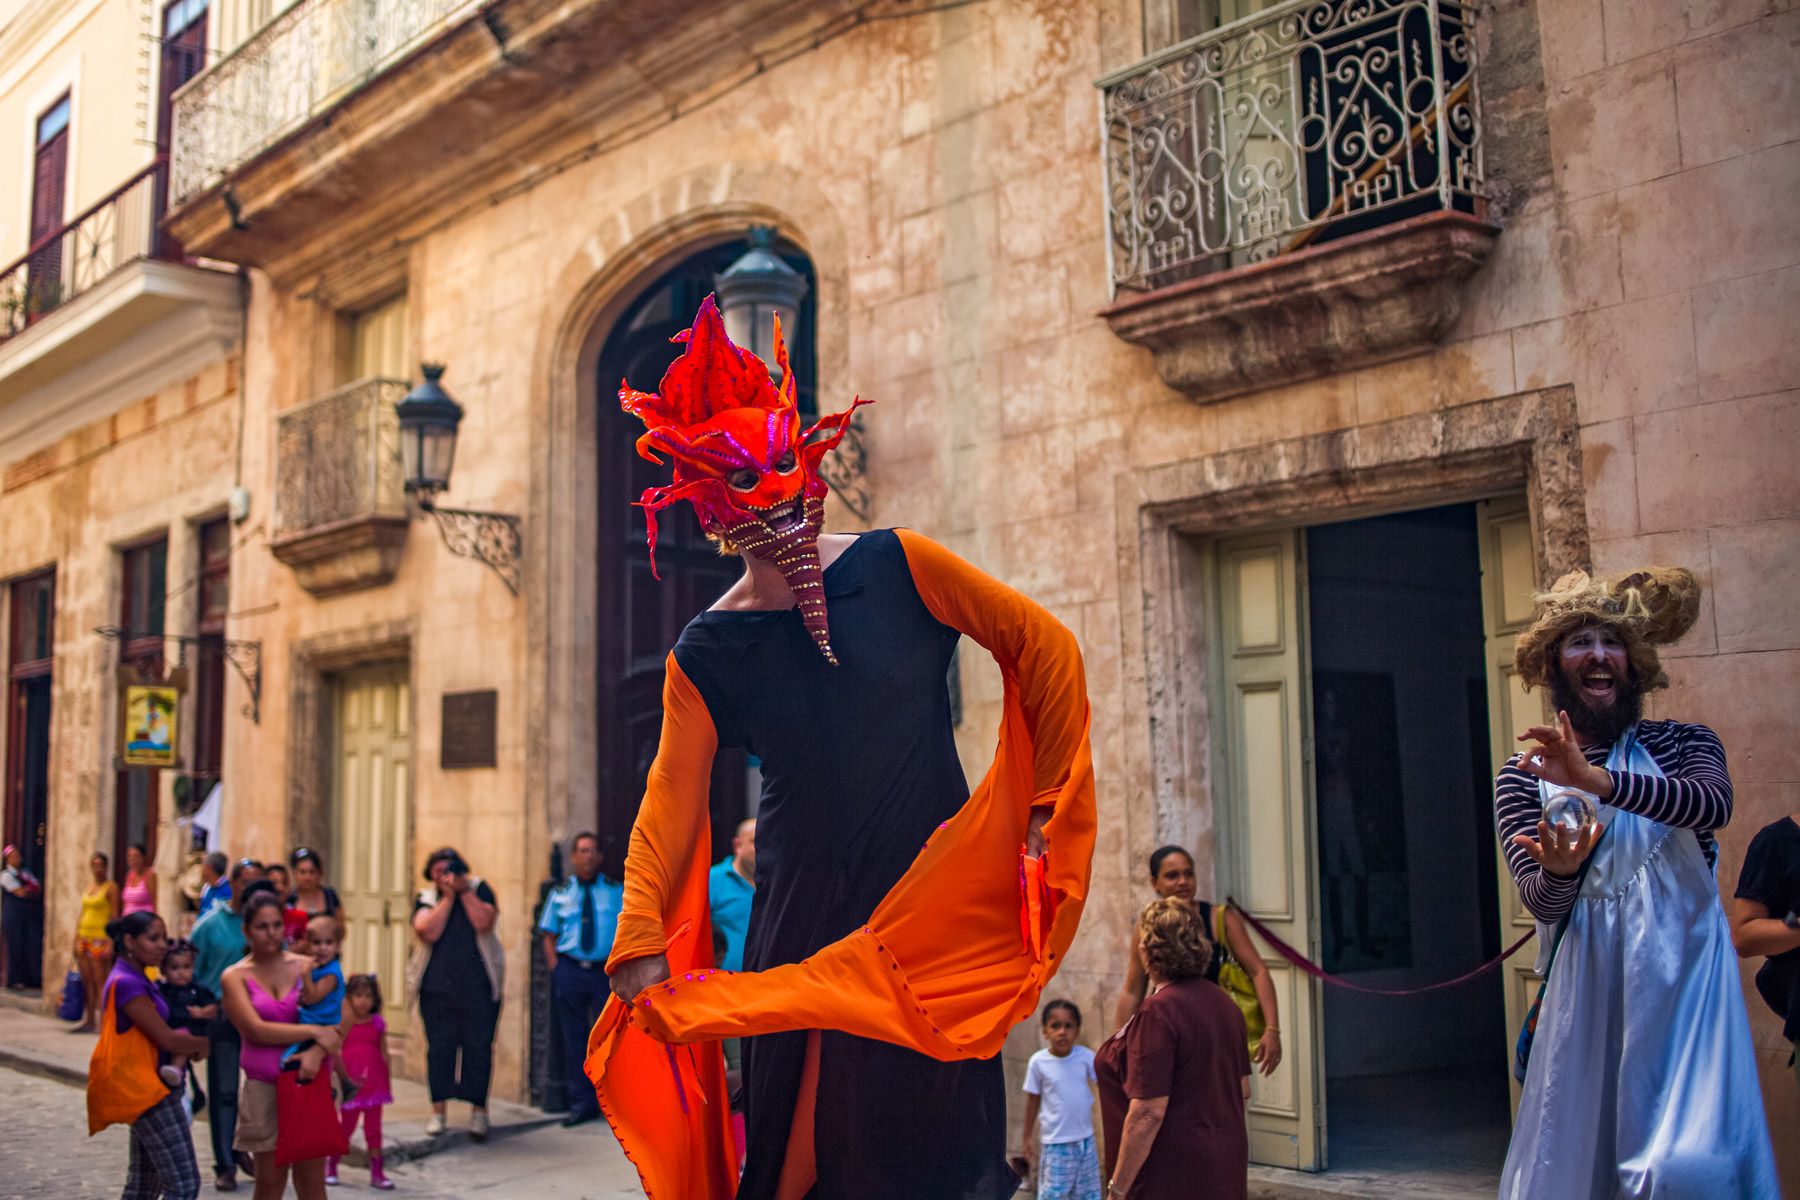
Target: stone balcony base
(343,556)
(1364,299)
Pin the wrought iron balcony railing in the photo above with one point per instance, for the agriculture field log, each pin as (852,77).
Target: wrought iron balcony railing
(337,459)
(1296,125)
(61,265)
(299,65)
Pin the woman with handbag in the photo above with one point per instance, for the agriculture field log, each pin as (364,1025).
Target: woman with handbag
(1174,1081)
(123,1086)
(1235,965)
(261,996)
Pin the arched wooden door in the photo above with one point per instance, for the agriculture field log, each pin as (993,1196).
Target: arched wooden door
(641,617)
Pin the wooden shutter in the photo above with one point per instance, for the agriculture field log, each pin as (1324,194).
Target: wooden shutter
(1508,580)
(1267,862)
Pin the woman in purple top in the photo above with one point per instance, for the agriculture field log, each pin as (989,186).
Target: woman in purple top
(162,1149)
(261,995)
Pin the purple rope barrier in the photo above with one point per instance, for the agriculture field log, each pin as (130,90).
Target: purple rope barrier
(1313,969)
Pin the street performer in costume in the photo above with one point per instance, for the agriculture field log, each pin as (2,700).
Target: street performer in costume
(1641,1081)
(901,925)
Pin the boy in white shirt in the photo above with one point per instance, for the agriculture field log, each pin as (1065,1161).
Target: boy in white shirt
(1059,1109)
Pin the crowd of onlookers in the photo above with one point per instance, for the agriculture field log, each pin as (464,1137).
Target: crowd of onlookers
(256,991)
(255,998)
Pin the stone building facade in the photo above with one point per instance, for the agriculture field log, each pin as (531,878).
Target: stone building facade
(1221,443)
(120,410)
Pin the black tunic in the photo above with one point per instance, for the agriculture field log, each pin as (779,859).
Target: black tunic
(859,766)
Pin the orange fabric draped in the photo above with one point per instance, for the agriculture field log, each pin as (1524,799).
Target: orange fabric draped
(942,967)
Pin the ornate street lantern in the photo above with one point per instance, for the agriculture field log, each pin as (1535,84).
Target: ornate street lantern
(752,290)
(428,424)
(428,421)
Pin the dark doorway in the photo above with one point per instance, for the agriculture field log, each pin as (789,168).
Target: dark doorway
(640,618)
(183,56)
(31,650)
(143,592)
(49,184)
(1407,873)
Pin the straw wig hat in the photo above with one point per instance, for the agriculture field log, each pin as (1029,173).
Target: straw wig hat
(1649,608)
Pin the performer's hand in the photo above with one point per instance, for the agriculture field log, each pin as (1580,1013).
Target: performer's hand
(634,976)
(1555,756)
(1034,832)
(1558,851)
(1268,1051)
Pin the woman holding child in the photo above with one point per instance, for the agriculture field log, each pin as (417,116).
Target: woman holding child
(124,1084)
(262,997)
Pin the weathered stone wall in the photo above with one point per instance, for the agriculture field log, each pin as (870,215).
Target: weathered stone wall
(162,462)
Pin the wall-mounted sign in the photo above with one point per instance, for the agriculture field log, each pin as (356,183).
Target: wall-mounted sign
(469,721)
(147,730)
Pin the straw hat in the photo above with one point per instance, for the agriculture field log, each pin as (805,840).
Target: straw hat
(1649,608)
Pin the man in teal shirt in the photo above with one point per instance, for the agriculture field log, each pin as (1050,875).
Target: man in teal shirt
(730,885)
(729,888)
(218,939)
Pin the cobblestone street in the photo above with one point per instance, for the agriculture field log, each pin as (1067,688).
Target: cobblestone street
(48,1156)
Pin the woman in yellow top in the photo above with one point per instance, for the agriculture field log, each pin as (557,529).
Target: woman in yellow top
(93,949)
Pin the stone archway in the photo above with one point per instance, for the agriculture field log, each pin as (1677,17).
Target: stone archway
(626,249)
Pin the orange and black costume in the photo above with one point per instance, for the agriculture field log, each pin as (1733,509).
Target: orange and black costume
(897,931)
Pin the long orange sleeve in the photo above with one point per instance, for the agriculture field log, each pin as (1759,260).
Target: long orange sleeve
(941,967)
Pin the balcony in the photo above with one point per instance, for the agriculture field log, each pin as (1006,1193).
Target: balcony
(343,120)
(299,65)
(340,504)
(1296,193)
(105,278)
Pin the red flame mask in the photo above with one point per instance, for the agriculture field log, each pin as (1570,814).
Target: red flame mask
(740,457)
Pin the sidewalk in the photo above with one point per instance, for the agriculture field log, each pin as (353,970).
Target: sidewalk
(38,1044)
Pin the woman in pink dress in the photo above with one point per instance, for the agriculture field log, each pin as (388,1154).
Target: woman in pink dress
(139,892)
(366,1062)
(262,999)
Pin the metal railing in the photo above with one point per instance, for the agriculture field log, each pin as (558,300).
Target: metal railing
(1304,122)
(61,265)
(297,66)
(337,458)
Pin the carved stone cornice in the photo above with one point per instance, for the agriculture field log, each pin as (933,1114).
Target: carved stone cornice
(1365,299)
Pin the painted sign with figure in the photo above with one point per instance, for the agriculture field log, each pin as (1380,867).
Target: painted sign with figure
(148,729)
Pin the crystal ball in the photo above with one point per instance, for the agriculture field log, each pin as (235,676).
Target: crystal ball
(1570,810)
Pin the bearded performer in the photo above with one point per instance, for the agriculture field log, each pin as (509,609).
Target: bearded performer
(900,924)
(1641,1080)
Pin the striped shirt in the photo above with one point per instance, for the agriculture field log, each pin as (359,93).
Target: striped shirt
(1695,794)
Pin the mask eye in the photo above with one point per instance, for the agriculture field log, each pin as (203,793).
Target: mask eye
(786,464)
(744,479)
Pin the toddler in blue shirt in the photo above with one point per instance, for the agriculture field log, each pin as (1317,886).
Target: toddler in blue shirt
(321,997)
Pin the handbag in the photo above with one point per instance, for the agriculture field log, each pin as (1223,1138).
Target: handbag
(74,998)
(122,1081)
(306,1122)
(1528,1031)
(1236,981)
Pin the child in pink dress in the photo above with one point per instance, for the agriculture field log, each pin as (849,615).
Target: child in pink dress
(365,1058)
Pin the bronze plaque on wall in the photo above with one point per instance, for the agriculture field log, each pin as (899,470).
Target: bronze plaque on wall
(468,729)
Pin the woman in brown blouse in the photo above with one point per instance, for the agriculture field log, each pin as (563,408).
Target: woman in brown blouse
(1175,1079)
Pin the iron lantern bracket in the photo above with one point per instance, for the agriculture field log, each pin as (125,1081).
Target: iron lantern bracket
(492,537)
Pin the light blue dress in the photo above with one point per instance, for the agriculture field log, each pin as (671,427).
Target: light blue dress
(1642,1082)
